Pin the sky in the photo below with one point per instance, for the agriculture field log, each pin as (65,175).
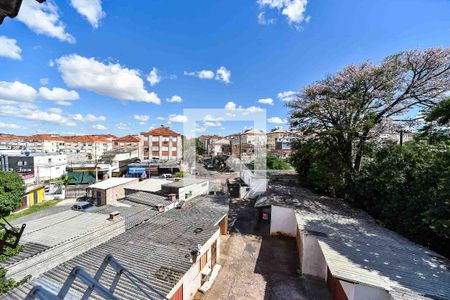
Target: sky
(97,67)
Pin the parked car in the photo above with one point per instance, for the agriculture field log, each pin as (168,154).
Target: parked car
(83,206)
(166,175)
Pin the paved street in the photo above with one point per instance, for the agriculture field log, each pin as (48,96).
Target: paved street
(258,266)
(59,207)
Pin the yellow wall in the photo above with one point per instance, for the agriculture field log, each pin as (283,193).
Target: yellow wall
(40,196)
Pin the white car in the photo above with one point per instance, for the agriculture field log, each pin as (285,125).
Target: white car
(166,176)
(83,206)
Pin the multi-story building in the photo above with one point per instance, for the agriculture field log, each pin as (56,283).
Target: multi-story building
(221,146)
(161,144)
(95,145)
(129,143)
(248,143)
(279,141)
(207,141)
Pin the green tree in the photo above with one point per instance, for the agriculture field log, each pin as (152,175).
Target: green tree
(345,110)
(12,188)
(276,163)
(438,122)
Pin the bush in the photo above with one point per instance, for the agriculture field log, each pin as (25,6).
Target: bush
(180,174)
(12,188)
(408,189)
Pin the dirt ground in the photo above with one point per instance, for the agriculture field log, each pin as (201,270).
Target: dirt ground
(258,266)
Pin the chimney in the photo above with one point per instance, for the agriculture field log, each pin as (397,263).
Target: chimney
(114,216)
(172,197)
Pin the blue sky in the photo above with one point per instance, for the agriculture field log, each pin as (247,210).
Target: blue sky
(99,56)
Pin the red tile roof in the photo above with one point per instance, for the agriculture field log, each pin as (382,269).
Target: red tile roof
(128,139)
(160,131)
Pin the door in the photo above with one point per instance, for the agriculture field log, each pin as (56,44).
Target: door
(178,294)
(35,197)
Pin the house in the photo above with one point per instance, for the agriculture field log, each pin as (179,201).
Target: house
(347,249)
(161,144)
(207,141)
(34,194)
(186,188)
(219,147)
(119,159)
(279,141)
(170,256)
(109,190)
(151,185)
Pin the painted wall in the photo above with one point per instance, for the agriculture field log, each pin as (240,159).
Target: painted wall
(313,261)
(40,196)
(364,292)
(283,221)
(193,190)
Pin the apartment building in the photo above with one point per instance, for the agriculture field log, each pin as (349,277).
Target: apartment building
(161,144)
(207,141)
(96,145)
(128,143)
(279,141)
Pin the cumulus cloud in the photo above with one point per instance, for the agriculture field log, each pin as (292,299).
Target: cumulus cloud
(277,120)
(263,20)
(30,112)
(9,126)
(293,10)
(268,101)
(44,19)
(212,119)
(90,9)
(60,95)
(141,118)
(175,99)
(222,74)
(178,118)
(286,96)
(153,77)
(9,48)
(99,127)
(17,91)
(122,126)
(160,118)
(88,118)
(230,105)
(44,81)
(106,79)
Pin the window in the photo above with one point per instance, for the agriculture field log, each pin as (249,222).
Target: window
(155,148)
(165,148)
(165,139)
(155,139)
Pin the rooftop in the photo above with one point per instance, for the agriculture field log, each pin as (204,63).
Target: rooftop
(112,182)
(359,250)
(148,185)
(148,199)
(161,131)
(184,182)
(157,251)
(128,139)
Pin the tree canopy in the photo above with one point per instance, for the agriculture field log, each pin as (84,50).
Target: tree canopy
(346,109)
(12,188)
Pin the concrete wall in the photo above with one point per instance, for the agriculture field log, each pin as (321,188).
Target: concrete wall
(191,281)
(193,190)
(365,292)
(313,262)
(283,221)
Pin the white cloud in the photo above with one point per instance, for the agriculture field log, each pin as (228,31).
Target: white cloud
(212,119)
(99,127)
(153,77)
(88,118)
(230,105)
(9,126)
(60,95)
(268,101)
(28,112)
(263,21)
(253,109)
(44,81)
(212,124)
(122,126)
(141,118)
(160,118)
(223,74)
(17,91)
(175,99)
(9,48)
(178,118)
(277,120)
(90,9)
(294,10)
(286,96)
(106,79)
(44,19)
(55,110)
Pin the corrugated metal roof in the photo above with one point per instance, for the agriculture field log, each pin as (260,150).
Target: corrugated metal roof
(357,249)
(149,199)
(161,244)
